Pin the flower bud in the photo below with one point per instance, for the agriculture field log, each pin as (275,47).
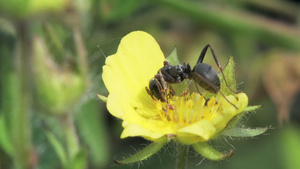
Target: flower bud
(58,88)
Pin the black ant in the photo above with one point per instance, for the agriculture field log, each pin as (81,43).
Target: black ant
(203,74)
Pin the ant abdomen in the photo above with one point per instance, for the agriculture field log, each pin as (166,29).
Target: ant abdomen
(206,77)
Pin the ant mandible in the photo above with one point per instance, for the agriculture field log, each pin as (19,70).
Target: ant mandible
(202,74)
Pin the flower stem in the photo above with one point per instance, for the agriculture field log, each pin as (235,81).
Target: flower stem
(182,151)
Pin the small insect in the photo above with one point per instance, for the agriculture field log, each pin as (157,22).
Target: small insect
(202,74)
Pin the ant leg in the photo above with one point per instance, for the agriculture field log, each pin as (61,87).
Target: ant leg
(198,89)
(166,89)
(159,76)
(171,92)
(150,93)
(161,92)
(201,57)
(202,54)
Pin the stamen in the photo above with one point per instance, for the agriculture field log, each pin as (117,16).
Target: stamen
(187,109)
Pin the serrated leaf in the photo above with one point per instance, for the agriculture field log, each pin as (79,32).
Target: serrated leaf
(229,77)
(205,150)
(145,153)
(242,132)
(173,57)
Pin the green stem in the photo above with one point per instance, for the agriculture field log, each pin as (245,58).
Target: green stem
(19,114)
(182,151)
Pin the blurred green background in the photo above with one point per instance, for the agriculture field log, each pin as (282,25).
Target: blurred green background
(51,58)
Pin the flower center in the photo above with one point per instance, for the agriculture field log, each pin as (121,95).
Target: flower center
(185,110)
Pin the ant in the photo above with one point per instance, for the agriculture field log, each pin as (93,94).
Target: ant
(202,74)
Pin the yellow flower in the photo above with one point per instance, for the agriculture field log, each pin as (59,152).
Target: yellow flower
(193,119)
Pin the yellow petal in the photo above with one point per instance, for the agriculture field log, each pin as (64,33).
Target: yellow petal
(200,131)
(150,128)
(133,130)
(121,107)
(137,60)
(221,120)
(129,71)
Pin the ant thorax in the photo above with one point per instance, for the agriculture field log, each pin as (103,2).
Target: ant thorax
(174,74)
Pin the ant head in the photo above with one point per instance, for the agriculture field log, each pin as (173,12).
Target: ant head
(178,70)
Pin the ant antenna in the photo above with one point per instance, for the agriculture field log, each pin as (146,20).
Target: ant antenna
(105,43)
(98,46)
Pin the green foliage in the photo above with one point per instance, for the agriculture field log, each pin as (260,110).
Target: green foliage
(94,132)
(289,147)
(5,141)
(116,9)
(58,147)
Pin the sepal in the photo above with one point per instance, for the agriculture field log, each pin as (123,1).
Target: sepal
(205,150)
(179,88)
(145,153)
(229,73)
(252,108)
(244,132)
(173,57)
(101,97)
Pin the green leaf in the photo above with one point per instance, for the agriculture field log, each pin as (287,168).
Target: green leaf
(57,145)
(205,150)
(92,129)
(148,151)
(79,161)
(289,147)
(173,57)
(242,132)
(229,77)
(5,142)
